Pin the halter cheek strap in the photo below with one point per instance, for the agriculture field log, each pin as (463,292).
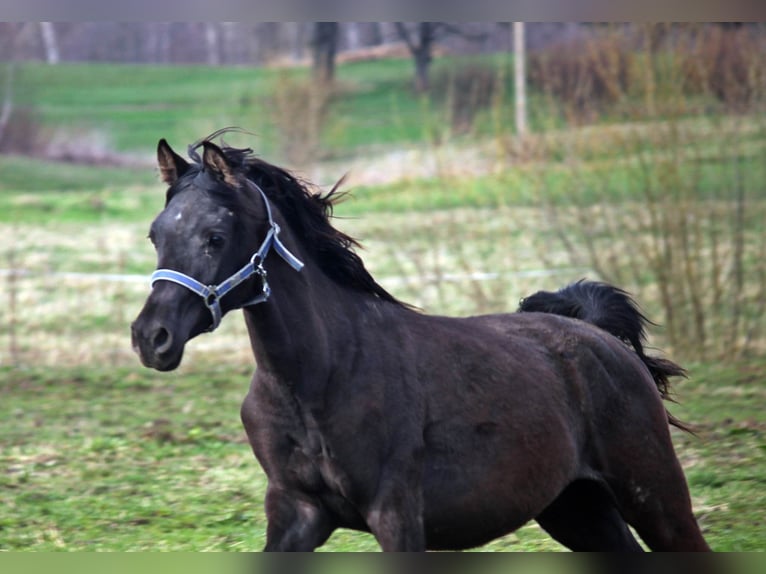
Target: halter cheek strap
(212,294)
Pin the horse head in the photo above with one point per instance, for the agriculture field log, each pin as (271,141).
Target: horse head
(204,243)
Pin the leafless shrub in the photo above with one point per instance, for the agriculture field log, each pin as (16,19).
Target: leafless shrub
(728,63)
(468,89)
(19,126)
(651,70)
(683,228)
(671,208)
(22,133)
(299,109)
(585,73)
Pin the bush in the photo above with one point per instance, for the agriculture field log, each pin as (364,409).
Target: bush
(19,125)
(585,73)
(299,109)
(468,89)
(676,218)
(727,63)
(652,70)
(22,133)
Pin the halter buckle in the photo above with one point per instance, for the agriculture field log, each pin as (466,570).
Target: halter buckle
(211,298)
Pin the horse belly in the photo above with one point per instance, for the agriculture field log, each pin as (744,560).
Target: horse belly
(487,482)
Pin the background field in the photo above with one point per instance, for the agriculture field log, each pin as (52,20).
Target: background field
(100,454)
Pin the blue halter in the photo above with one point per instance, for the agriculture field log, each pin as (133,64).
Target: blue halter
(212,294)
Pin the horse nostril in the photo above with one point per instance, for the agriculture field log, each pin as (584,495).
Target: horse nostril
(162,340)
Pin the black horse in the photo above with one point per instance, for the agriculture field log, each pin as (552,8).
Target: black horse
(429,432)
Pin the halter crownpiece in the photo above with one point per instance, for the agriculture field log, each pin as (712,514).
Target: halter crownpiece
(212,294)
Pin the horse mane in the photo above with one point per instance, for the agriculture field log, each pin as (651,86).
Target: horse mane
(308,212)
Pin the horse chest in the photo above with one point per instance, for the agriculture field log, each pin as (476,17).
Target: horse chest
(314,468)
(294,452)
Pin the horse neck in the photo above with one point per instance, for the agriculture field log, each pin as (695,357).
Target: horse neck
(299,331)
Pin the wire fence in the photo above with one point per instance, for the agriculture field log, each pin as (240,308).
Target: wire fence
(65,318)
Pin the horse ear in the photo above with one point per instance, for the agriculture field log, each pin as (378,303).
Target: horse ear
(172,165)
(215,160)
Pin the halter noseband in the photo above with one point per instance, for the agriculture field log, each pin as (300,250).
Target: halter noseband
(212,294)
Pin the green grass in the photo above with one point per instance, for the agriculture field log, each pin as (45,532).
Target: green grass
(129,459)
(725,462)
(31,189)
(40,191)
(131,107)
(24,174)
(137,105)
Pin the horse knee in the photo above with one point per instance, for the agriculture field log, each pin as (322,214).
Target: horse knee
(294,524)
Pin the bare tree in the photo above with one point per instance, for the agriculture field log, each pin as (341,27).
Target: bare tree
(324,44)
(420,43)
(520,78)
(298,32)
(50,42)
(353,36)
(213,43)
(8,34)
(158,42)
(420,38)
(7,109)
(372,34)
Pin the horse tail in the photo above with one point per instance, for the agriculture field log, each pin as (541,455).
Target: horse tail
(613,310)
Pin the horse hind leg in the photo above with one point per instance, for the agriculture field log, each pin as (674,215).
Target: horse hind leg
(663,518)
(585,518)
(654,498)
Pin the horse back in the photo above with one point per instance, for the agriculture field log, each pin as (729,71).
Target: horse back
(534,383)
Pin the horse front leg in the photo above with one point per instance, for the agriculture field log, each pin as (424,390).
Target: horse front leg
(395,516)
(295,523)
(396,521)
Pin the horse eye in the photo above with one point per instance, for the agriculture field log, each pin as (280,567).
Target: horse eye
(216,240)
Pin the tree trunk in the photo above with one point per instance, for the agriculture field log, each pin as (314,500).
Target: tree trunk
(520,78)
(373,35)
(422,65)
(213,44)
(298,42)
(420,49)
(6,110)
(353,37)
(324,45)
(49,42)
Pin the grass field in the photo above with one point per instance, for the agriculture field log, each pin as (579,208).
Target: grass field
(133,106)
(126,459)
(97,453)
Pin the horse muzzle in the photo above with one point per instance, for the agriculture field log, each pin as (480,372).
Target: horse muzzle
(170,318)
(156,345)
